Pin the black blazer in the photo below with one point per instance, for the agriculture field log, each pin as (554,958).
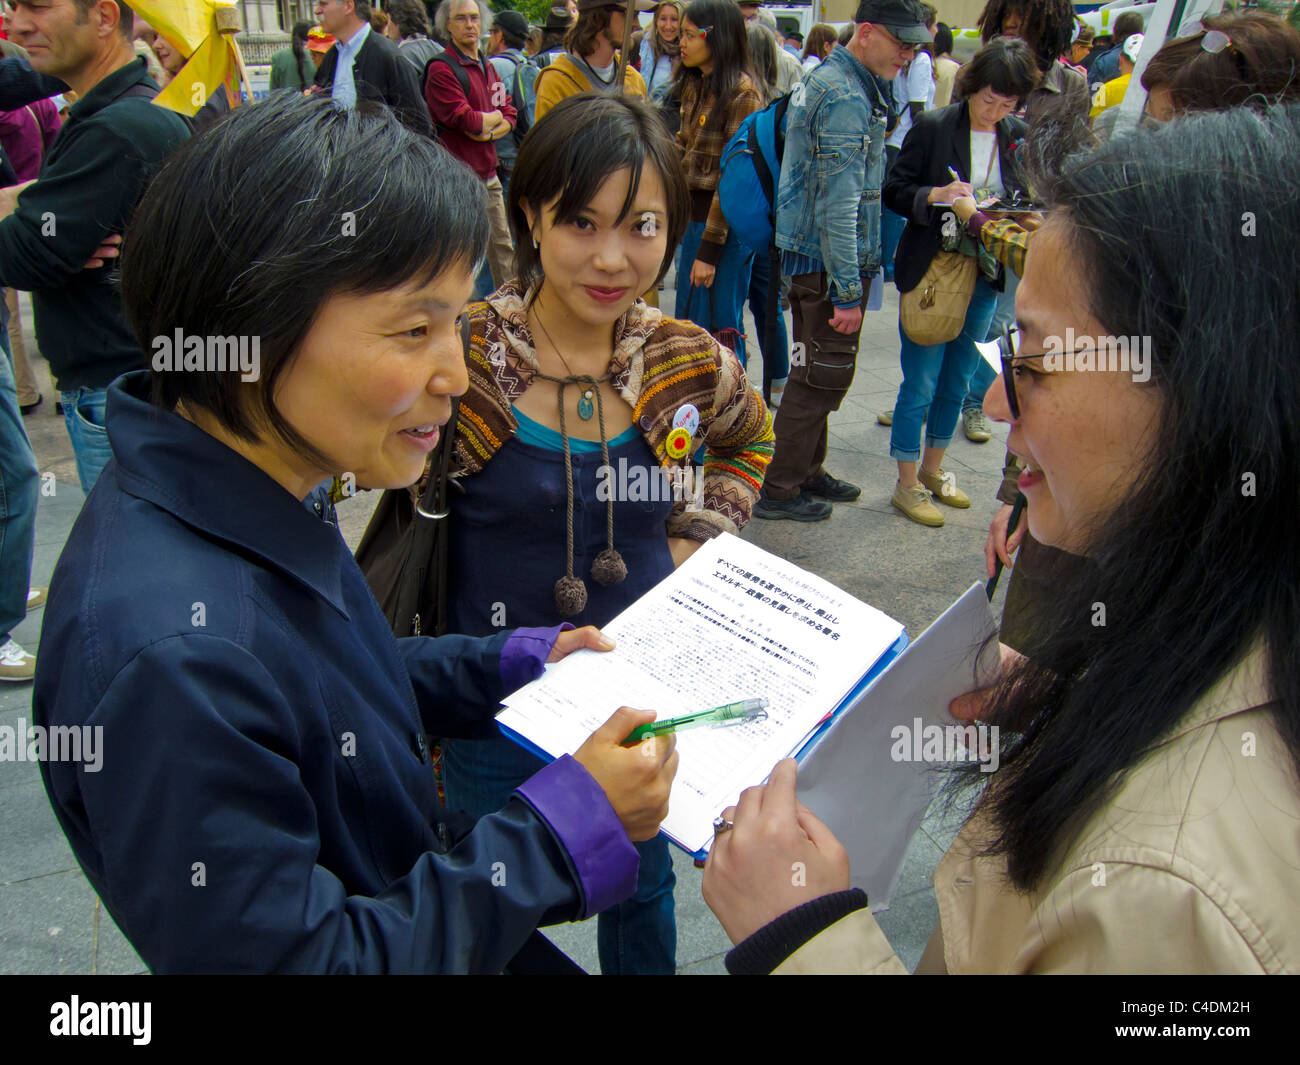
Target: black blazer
(938,140)
(381,74)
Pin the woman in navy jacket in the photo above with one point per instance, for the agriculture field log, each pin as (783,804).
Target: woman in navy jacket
(263,799)
(957,150)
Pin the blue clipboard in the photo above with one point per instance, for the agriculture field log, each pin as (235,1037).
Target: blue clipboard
(882,664)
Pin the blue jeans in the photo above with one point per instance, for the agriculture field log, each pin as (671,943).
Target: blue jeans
(722,304)
(936,376)
(636,937)
(776,363)
(83,413)
(483,286)
(1003,316)
(891,225)
(981,378)
(18,489)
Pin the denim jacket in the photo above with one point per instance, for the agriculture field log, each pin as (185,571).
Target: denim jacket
(831,175)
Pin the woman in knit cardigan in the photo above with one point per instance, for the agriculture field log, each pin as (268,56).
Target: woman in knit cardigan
(575,442)
(717,94)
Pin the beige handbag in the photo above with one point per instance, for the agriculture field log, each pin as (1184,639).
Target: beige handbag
(935,311)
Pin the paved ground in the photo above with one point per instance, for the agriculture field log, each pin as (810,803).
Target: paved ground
(50,920)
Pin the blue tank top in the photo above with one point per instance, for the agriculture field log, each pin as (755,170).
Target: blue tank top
(508,534)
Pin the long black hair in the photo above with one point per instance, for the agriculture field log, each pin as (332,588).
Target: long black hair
(729,47)
(1199,561)
(299,45)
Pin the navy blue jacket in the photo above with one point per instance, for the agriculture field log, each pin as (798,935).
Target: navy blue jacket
(264,799)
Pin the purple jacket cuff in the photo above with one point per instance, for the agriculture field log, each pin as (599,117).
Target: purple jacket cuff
(575,808)
(525,653)
(976,222)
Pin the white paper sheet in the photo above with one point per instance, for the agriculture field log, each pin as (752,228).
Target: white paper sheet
(733,622)
(850,779)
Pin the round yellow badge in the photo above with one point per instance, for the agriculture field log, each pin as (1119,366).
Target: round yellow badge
(678,443)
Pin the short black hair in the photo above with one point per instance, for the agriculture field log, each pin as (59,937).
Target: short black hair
(942,39)
(1005,65)
(251,228)
(1127,24)
(125,21)
(571,151)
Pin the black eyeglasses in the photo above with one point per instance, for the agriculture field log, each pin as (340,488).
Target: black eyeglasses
(1009,359)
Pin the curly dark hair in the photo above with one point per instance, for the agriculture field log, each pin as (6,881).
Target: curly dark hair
(1047,25)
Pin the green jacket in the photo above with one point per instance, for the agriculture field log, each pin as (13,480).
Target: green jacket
(283,74)
(90,181)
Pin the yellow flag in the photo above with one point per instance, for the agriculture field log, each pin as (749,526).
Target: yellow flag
(205,31)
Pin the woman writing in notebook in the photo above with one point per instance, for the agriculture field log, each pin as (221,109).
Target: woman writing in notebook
(575,440)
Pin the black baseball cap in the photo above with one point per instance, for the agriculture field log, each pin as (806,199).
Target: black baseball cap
(512,22)
(905,19)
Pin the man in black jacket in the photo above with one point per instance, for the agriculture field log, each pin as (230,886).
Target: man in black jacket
(89,182)
(367,66)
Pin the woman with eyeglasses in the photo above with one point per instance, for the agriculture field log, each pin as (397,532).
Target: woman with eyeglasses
(1145,814)
(962,149)
(717,94)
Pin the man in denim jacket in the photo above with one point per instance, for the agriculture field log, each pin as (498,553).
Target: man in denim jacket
(828,230)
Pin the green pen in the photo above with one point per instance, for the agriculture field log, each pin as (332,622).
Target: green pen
(731,714)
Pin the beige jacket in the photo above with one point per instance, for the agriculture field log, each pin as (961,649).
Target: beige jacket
(1193,867)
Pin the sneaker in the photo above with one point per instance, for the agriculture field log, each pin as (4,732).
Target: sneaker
(885,417)
(976,426)
(802,507)
(15,663)
(944,487)
(35,598)
(27,408)
(915,503)
(828,487)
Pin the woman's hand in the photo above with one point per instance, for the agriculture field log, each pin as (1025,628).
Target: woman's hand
(636,780)
(702,274)
(949,192)
(776,857)
(999,545)
(964,207)
(576,639)
(682,549)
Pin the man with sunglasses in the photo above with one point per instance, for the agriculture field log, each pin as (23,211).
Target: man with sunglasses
(828,230)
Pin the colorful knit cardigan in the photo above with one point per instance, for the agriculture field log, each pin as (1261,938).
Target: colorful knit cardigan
(659,364)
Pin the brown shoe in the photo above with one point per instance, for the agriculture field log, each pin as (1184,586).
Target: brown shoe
(915,503)
(944,487)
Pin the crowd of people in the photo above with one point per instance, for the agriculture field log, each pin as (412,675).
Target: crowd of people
(451,260)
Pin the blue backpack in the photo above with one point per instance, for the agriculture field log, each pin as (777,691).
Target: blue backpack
(750,174)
